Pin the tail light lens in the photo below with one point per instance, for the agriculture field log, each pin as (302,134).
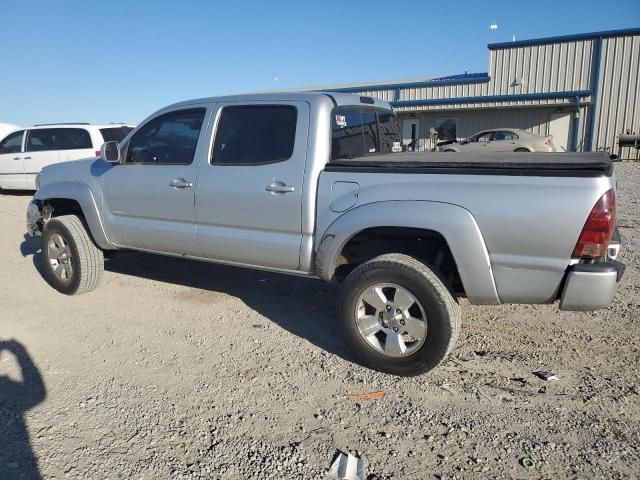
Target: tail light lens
(598,230)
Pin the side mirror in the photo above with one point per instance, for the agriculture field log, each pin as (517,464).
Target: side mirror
(110,152)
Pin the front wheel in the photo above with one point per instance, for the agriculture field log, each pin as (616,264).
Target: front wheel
(73,264)
(398,316)
(521,150)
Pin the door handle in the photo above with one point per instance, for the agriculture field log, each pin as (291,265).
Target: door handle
(279,187)
(180,183)
(25,158)
(16,158)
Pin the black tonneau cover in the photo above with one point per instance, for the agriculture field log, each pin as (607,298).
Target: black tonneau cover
(582,164)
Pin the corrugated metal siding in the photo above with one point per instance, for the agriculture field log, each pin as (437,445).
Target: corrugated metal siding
(529,69)
(618,102)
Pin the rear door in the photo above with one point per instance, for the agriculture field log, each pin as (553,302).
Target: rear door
(11,169)
(76,144)
(249,193)
(148,200)
(42,148)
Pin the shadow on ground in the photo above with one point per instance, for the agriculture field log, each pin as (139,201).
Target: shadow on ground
(303,306)
(16,193)
(16,398)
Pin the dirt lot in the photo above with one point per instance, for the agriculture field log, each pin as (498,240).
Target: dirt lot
(187,370)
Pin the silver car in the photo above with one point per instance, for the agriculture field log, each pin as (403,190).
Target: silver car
(501,140)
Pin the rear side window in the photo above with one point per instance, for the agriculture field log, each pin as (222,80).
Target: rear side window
(255,135)
(12,143)
(115,134)
(358,132)
(42,139)
(170,139)
(504,135)
(75,139)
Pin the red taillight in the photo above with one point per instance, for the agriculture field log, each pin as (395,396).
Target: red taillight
(97,153)
(598,229)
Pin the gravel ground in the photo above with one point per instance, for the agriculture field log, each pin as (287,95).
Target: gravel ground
(177,369)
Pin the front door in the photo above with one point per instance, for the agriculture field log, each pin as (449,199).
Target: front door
(42,148)
(11,169)
(249,192)
(149,197)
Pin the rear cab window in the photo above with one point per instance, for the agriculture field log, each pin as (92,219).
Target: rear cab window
(361,131)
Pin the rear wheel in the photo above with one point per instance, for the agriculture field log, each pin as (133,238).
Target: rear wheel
(398,316)
(521,150)
(73,264)
(449,150)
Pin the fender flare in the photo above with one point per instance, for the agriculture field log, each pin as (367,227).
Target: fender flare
(82,194)
(454,223)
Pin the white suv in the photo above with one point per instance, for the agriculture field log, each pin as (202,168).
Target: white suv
(24,153)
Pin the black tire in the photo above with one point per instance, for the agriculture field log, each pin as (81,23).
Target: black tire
(449,150)
(86,259)
(440,306)
(521,150)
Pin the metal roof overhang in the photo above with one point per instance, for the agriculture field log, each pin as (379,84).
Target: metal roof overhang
(574,96)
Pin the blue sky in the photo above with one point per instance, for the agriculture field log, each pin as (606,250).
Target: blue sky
(121,60)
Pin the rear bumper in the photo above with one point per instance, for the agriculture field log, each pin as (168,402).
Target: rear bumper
(591,286)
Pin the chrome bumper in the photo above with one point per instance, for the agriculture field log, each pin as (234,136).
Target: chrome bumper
(591,286)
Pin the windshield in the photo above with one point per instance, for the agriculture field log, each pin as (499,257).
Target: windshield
(361,131)
(115,134)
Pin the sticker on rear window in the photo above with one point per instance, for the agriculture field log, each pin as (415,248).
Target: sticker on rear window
(341,120)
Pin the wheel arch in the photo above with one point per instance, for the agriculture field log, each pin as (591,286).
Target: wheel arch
(454,225)
(75,198)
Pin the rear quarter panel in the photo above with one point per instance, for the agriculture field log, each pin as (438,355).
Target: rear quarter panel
(529,224)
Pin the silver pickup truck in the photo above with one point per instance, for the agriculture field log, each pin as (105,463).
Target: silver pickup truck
(308,184)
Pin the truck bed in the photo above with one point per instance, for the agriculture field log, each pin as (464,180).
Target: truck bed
(583,164)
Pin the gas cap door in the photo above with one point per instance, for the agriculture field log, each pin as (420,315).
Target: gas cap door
(344,195)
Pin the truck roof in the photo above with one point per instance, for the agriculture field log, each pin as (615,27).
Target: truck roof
(338,99)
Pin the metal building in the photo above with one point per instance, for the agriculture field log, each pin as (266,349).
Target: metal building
(583,89)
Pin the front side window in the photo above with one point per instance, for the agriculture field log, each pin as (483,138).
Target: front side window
(447,128)
(357,132)
(169,139)
(12,143)
(75,139)
(255,135)
(481,137)
(43,139)
(485,137)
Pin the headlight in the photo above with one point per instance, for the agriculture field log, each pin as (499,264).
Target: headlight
(38,181)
